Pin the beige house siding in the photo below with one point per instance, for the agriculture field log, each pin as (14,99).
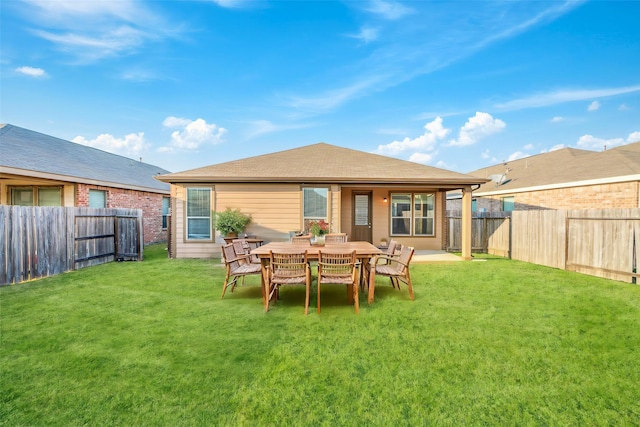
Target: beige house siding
(275,210)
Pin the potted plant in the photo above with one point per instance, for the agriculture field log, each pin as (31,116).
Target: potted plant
(231,222)
(318,229)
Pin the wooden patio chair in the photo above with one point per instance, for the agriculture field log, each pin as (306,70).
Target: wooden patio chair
(396,268)
(339,268)
(237,266)
(301,240)
(335,238)
(242,246)
(287,269)
(389,255)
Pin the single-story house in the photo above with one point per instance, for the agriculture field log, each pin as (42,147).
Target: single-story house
(368,196)
(41,170)
(568,178)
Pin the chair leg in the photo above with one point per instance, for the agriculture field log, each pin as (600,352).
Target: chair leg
(306,301)
(308,297)
(410,287)
(227,284)
(372,285)
(355,298)
(318,295)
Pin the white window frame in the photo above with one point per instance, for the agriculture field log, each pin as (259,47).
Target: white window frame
(189,218)
(308,218)
(166,212)
(409,216)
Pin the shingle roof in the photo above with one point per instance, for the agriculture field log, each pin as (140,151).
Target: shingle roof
(26,150)
(564,166)
(323,163)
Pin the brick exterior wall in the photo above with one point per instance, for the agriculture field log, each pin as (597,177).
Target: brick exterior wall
(150,203)
(603,196)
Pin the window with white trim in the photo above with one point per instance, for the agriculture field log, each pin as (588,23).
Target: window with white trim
(198,214)
(166,206)
(412,214)
(315,202)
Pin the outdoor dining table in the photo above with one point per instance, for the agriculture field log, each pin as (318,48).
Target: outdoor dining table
(364,252)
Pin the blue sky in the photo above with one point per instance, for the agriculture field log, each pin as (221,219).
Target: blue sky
(453,84)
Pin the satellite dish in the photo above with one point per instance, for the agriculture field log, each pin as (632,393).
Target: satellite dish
(498,178)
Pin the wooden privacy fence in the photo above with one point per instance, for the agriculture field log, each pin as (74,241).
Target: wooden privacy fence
(599,242)
(38,242)
(490,232)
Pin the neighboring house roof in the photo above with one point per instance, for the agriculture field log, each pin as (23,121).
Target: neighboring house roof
(29,153)
(324,163)
(567,167)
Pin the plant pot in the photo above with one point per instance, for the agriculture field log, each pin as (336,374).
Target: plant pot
(317,240)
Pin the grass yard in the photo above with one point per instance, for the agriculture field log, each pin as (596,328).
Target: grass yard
(484,343)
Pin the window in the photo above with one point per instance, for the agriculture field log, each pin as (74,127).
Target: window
(412,214)
(198,213)
(507,204)
(36,196)
(314,204)
(165,210)
(474,205)
(97,199)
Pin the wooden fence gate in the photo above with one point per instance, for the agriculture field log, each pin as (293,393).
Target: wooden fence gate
(490,232)
(38,242)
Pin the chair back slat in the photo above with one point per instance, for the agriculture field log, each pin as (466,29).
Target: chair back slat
(336,263)
(230,256)
(301,240)
(335,238)
(286,266)
(406,253)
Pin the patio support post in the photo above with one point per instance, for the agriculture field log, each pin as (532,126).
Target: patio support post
(466,223)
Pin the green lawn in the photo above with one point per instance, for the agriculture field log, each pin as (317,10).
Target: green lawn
(498,342)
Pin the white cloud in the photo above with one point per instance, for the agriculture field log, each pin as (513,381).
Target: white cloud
(97,29)
(517,155)
(131,145)
(366,34)
(590,142)
(476,128)
(232,4)
(192,134)
(594,106)
(31,71)
(485,154)
(557,147)
(423,158)
(390,10)
(425,142)
(528,147)
(558,97)
(557,119)
(623,107)
(634,137)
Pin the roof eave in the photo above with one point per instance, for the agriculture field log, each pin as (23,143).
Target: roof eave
(327,180)
(78,180)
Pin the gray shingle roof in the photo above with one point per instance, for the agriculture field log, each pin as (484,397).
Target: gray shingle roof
(32,151)
(323,163)
(564,166)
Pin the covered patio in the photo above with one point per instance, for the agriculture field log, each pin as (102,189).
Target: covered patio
(369,197)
